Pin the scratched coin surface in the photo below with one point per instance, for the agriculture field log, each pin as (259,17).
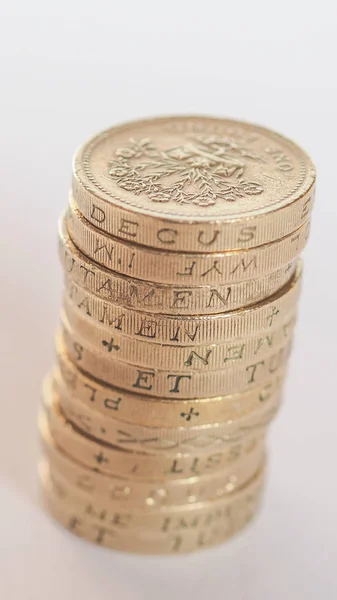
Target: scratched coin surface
(193,183)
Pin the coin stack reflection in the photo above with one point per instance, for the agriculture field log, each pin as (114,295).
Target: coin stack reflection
(180,247)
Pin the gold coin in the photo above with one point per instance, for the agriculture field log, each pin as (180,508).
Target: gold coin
(131,492)
(176,268)
(168,384)
(193,184)
(121,463)
(155,522)
(140,438)
(170,543)
(167,299)
(132,408)
(264,316)
(182,358)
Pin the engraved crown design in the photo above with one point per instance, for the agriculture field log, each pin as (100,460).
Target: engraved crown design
(202,172)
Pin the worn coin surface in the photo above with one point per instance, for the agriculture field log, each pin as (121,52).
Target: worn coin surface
(193,184)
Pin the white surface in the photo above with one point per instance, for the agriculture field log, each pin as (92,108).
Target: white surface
(70,69)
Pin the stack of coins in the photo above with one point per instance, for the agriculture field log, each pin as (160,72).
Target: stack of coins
(180,249)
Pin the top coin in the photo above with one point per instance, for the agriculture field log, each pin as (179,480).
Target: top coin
(193,184)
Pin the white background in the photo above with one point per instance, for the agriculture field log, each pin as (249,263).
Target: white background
(69,69)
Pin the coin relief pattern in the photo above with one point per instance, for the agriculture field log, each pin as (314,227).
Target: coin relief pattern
(200,162)
(204,171)
(181,251)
